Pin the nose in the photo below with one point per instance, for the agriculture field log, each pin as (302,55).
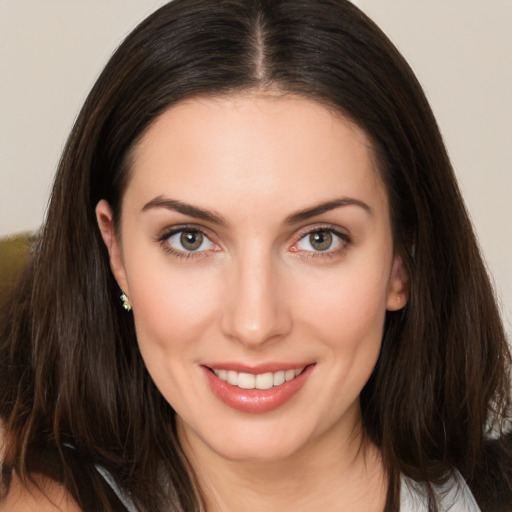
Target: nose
(256,308)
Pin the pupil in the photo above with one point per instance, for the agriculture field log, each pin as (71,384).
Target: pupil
(191,240)
(321,240)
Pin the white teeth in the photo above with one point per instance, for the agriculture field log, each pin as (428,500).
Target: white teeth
(279,378)
(246,381)
(232,378)
(259,381)
(265,381)
(289,375)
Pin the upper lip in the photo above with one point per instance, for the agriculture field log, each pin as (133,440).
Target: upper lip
(267,367)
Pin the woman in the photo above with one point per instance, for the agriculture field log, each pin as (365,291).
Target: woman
(256,286)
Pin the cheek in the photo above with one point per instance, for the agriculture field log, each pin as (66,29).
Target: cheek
(173,312)
(347,307)
(345,314)
(172,308)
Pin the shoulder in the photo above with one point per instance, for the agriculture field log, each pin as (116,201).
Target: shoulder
(44,495)
(454,496)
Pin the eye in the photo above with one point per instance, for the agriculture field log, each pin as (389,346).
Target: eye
(322,240)
(189,240)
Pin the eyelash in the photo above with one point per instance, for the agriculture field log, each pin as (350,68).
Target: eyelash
(184,255)
(345,241)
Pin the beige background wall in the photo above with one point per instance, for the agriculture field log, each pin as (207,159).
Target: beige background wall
(52,50)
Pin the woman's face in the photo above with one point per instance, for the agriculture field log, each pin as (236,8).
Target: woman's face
(256,251)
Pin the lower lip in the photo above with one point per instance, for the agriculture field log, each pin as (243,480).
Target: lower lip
(256,400)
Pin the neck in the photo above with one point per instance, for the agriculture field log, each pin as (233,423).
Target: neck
(347,476)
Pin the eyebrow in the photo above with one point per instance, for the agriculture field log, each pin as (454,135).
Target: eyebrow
(185,209)
(215,218)
(326,207)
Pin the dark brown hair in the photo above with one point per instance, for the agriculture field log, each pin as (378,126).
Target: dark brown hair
(75,392)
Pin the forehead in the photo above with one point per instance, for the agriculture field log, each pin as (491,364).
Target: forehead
(254,147)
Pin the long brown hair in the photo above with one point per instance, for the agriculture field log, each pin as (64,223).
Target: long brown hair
(75,392)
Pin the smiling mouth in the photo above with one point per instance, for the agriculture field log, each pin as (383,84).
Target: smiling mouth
(262,381)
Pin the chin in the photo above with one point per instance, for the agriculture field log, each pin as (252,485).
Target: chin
(265,440)
(251,439)
(272,450)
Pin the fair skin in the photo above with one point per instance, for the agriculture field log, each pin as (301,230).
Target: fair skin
(282,259)
(44,495)
(249,287)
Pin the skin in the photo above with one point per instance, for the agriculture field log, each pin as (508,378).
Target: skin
(44,496)
(258,291)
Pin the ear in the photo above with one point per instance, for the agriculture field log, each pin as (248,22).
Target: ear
(398,286)
(108,233)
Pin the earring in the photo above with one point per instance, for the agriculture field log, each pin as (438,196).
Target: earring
(126,304)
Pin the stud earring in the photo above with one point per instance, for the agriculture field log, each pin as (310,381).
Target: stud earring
(126,304)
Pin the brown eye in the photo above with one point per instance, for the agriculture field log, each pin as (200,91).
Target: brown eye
(325,241)
(191,240)
(321,240)
(185,241)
